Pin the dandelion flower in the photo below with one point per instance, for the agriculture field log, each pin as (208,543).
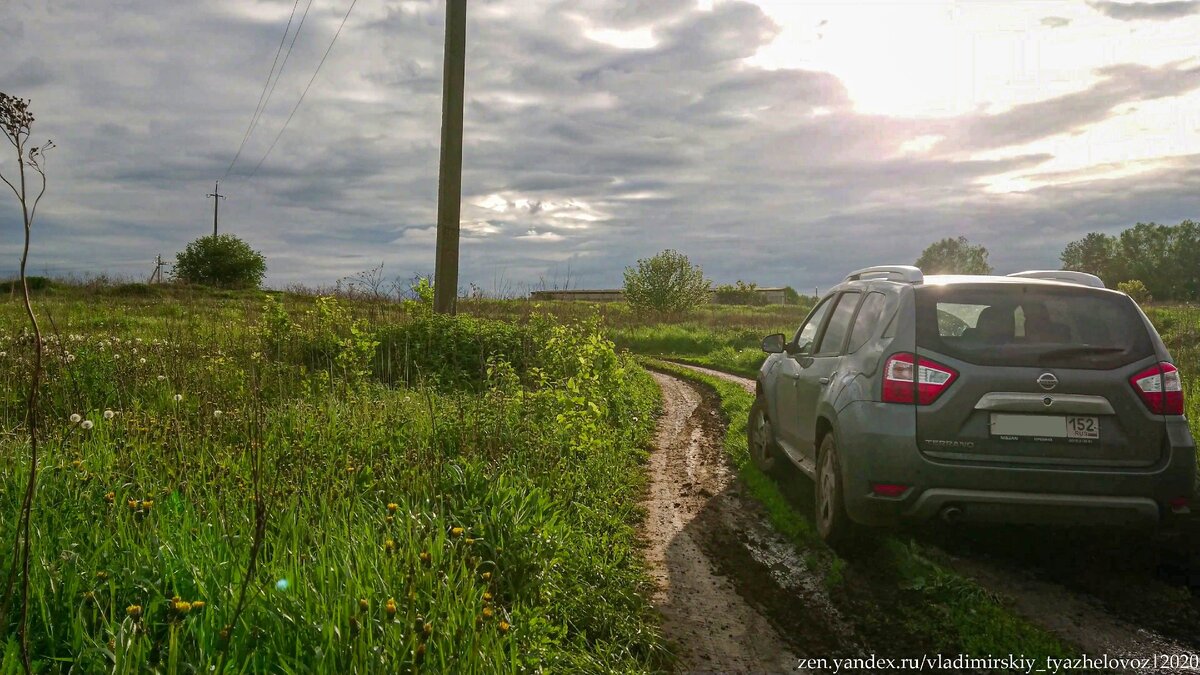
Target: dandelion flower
(364,604)
(427,629)
(486,576)
(86,424)
(147,504)
(456,532)
(108,414)
(198,604)
(392,507)
(504,626)
(101,575)
(389,546)
(109,497)
(178,398)
(390,608)
(487,597)
(425,557)
(487,612)
(181,606)
(134,612)
(75,417)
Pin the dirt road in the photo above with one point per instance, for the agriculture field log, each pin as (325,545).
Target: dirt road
(738,597)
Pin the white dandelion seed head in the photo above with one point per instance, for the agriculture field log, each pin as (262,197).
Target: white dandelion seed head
(142,361)
(161,378)
(3,354)
(217,413)
(178,398)
(108,414)
(75,417)
(85,425)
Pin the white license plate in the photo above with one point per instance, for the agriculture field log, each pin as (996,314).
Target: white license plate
(1046,426)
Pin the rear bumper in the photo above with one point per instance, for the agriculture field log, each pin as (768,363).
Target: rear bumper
(983,506)
(876,444)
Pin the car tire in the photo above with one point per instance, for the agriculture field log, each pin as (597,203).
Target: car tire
(760,438)
(833,524)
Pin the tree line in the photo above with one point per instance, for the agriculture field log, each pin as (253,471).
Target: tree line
(1165,258)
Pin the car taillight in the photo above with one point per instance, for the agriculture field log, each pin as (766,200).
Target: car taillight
(1160,389)
(932,379)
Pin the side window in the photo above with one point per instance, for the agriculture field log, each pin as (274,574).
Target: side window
(808,332)
(868,319)
(839,324)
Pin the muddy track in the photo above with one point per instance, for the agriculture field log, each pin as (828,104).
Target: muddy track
(1132,596)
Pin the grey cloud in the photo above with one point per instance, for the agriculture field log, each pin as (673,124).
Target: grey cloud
(769,176)
(1139,11)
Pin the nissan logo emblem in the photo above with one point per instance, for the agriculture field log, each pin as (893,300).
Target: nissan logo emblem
(1047,381)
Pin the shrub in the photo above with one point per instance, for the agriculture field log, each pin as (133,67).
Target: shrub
(741,293)
(1136,290)
(668,283)
(220,260)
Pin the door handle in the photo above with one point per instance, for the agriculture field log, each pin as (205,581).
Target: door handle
(826,380)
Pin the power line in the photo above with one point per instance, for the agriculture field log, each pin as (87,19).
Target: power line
(268,91)
(306,88)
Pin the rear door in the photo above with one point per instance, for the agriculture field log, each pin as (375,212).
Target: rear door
(787,415)
(1041,375)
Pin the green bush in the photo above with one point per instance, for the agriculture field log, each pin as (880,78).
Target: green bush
(221,260)
(667,283)
(1136,290)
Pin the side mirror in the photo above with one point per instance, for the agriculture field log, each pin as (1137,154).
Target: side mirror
(773,344)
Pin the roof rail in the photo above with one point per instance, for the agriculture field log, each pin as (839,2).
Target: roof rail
(1081,278)
(905,273)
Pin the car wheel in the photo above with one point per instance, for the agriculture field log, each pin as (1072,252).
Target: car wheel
(760,437)
(834,526)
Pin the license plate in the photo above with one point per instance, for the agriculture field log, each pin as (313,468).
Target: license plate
(1046,426)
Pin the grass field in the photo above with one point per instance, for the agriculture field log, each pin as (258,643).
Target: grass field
(459,494)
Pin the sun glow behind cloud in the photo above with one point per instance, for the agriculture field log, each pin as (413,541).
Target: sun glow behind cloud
(938,60)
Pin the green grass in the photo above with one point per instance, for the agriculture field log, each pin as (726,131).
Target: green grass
(943,609)
(513,472)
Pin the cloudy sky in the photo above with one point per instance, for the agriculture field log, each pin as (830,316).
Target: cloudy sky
(772,141)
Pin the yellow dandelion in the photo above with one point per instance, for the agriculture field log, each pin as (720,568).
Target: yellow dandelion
(134,612)
(101,575)
(427,629)
(487,597)
(197,604)
(486,576)
(109,497)
(456,532)
(181,606)
(147,504)
(425,557)
(389,546)
(390,519)
(487,612)
(469,540)
(390,608)
(133,504)
(363,604)
(392,506)
(89,595)
(504,626)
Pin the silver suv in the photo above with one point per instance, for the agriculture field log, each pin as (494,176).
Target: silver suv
(1040,397)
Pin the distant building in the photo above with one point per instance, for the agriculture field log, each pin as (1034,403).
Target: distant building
(771,296)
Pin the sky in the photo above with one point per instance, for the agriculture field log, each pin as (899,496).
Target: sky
(775,142)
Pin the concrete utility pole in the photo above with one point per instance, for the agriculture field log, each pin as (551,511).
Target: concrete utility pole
(445,276)
(217,197)
(156,275)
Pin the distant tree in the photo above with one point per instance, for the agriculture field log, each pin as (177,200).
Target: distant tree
(790,296)
(1136,290)
(741,293)
(220,260)
(1095,254)
(954,256)
(667,283)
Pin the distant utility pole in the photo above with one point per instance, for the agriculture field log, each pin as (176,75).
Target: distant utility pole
(445,275)
(216,197)
(156,275)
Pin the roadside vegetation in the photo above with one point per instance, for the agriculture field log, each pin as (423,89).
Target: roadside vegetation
(303,485)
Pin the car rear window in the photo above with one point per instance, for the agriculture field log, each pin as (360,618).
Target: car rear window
(1031,325)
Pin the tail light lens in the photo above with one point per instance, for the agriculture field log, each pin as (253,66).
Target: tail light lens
(1160,389)
(932,378)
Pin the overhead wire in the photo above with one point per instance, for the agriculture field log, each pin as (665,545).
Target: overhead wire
(306,88)
(264,98)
